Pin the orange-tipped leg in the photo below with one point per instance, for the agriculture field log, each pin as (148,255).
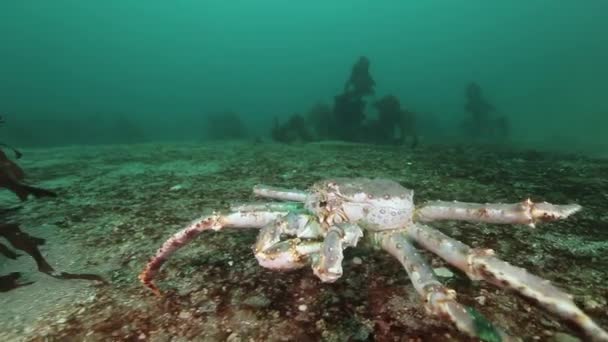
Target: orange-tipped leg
(237,219)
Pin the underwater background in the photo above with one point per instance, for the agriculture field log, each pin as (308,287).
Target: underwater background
(122,121)
(73,72)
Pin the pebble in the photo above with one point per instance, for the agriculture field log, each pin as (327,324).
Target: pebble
(184,315)
(234,337)
(443,272)
(357,261)
(207,307)
(257,301)
(303,307)
(481,300)
(176,187)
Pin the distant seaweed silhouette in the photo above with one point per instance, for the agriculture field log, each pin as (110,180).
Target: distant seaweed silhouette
(346,119)
(392,119)
(225,125)
(349,106)
(481,123)
(295,129)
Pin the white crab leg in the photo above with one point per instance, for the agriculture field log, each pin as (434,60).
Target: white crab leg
(252,219)
(280,193)
(271,206)
(526,212)
(440,300)
(327,265)
(482,264)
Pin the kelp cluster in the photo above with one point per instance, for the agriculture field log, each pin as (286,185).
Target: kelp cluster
(348,118)
(11,178)
(481,123)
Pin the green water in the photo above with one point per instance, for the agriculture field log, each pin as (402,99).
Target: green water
(479,93)
(71,66)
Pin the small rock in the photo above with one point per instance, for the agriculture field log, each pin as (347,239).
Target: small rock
(443,272)
(234,337)
(563,337)
(207,307)
(481,300)
(176,187)
(357,261)
(184,315)
(257,301)
(303,307)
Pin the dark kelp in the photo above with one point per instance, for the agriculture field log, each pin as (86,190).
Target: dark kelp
(11,281)
(11,176)
(29,244)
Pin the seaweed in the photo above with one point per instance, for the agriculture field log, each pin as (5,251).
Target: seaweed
(29,244)
(225,125)
(294,130)
(10,178)
(11,281)
(481,123)
(320,118)
(348,111)
(394,124)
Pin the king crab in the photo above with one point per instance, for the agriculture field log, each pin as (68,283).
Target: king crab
(334,214)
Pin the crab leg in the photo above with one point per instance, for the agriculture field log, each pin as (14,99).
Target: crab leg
(440,300)
(483,265)
(272,206)
(328,264)
(526,212)
(282,194)
(253,219)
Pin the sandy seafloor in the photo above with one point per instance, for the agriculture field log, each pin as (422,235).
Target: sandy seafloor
(117,204)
